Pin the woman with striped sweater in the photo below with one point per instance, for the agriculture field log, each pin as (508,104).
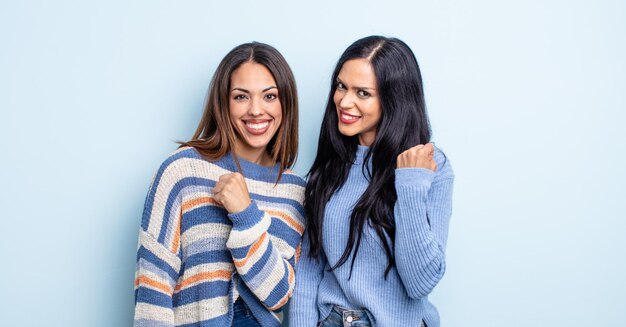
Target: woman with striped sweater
(223,218)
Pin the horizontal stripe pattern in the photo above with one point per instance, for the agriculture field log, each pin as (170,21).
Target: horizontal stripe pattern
(191,252)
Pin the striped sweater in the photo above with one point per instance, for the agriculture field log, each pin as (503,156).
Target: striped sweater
(194,259)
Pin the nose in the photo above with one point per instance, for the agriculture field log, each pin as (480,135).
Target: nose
(346,100)
(256,107)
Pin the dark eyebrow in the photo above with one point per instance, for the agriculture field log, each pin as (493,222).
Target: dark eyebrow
(356,87)
(269,88)
(246,91)
(240,89)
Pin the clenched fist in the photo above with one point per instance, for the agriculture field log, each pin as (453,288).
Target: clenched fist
(419,156)
(232,193)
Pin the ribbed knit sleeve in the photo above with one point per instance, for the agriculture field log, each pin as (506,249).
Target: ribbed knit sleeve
(268,272)
(158,265)
(422,216)
(303,309)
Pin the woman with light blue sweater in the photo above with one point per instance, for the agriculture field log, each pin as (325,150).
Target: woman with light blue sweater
(378,199)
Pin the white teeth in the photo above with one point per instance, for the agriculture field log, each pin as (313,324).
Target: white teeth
(258,126)
(349,117)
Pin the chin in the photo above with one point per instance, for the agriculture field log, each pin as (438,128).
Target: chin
(257,145)
(346,132)
(257,142)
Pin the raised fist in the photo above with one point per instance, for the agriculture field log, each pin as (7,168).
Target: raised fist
(232,193)
(419,156)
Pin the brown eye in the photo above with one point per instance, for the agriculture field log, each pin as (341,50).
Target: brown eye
(363,94)
(340,86)
(271,97)
(239,97)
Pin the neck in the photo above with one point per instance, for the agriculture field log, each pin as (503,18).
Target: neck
(256,155)
(367,138)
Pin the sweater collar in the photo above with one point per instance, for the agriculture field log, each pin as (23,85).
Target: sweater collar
(361,151)
(253,170)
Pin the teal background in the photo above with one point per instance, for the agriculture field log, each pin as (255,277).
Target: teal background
(527,98)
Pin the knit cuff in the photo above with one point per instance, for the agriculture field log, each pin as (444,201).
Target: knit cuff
(247,218)
(414,177)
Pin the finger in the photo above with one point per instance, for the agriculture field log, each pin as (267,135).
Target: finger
(402,156)
(236,175)
(218,198)
(242,181)
(400,161)
(225,177)
(218,187)
(428,149)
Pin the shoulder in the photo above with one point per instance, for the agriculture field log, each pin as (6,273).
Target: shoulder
(186,162)
(444,167)
(182,153)
(178,159)
(289,187)
(289,177)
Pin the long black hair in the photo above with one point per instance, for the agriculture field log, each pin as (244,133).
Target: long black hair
(403,124)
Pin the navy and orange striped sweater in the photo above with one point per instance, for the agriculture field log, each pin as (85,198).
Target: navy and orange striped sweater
(194,259)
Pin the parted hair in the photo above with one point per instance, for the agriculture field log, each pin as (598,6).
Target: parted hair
(403,124)
(215,135)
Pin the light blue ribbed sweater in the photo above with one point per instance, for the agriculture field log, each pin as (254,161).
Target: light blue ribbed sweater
(422,215)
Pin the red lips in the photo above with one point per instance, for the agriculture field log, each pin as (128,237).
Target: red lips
(257,127)
(347,118)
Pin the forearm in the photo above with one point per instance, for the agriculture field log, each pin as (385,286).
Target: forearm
(266,270)
(309,271)
(155,279)
(422,214)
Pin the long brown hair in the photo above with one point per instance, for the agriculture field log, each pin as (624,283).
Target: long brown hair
(215,136)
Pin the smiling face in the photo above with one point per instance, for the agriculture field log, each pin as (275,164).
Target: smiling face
(357,101)
(254,108)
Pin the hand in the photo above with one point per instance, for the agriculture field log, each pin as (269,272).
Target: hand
(232,193)
(419,156)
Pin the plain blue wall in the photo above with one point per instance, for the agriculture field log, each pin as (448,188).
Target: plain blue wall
(528,99)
